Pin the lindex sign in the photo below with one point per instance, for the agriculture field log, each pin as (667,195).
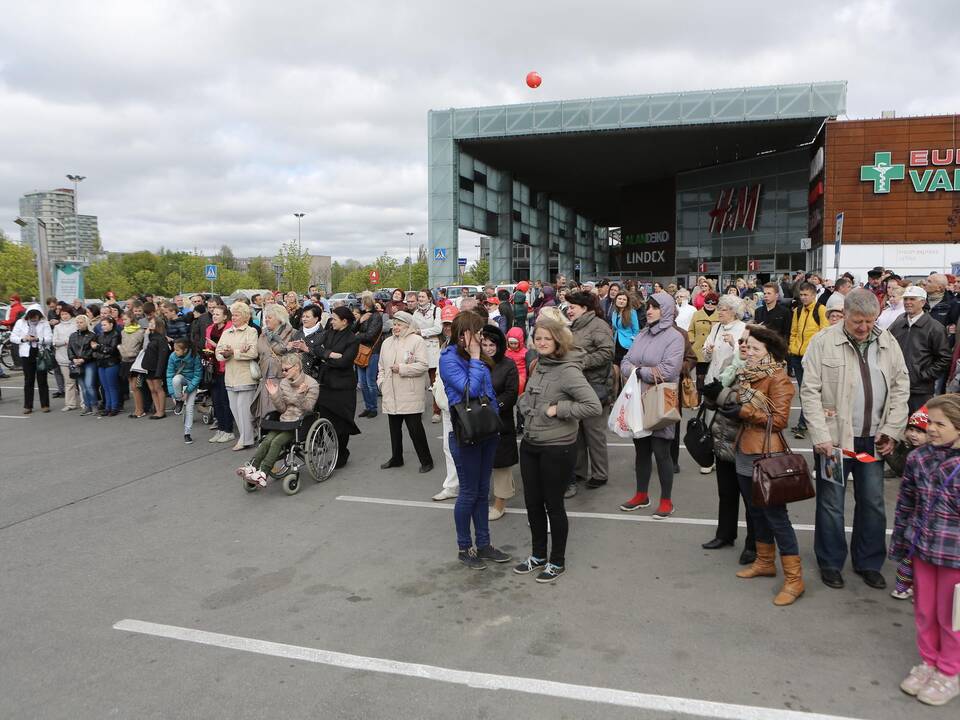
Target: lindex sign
(931,170)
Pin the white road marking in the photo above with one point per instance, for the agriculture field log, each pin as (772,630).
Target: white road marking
(14,417)
(628,517)
(476,680)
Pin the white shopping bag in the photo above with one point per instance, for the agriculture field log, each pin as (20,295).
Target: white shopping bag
(626,416)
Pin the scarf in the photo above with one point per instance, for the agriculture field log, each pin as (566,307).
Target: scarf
(131,328)
(747,376)
(307,332)
(425,310)
(277,335)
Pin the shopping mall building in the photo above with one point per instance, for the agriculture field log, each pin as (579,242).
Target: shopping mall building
(747,181)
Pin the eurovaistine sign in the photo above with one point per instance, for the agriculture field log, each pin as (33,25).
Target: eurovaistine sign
(935,175)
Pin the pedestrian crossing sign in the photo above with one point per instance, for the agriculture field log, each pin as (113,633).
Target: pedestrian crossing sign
(210,272)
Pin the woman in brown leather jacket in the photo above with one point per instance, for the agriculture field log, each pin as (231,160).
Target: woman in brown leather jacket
(763,390)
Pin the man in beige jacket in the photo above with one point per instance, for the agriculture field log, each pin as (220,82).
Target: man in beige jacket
(854,395)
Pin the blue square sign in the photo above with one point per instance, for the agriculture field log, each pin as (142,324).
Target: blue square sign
(210,272)
(439,254)
(462,262)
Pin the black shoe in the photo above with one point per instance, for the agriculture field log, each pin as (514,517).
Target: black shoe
(489,552)
(391,464)
(593,484)
(550,573)
(747,557)
(800,433)
(372,414)
(529,565)
(471,560)
(831,578)
(872,578)
(428,467)
(571,490)
(178,407)
(676,468)
(57,395)
(365,413)
(188,440)
(716,544)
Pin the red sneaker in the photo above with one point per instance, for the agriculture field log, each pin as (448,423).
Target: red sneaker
(640,500)
(664,510)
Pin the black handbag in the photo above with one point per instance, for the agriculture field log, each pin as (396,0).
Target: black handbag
(45,359)
(475,419)
(780,479)
(74,371)
(698,439)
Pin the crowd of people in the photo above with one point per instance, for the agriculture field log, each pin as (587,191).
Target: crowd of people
(526,376)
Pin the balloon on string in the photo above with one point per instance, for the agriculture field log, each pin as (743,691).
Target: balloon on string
(534,79)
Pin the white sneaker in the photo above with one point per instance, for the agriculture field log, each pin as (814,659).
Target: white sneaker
(226,437)
(215,437)
(706,470)
(494,514)
(445,494)
(917,679)
(940,689)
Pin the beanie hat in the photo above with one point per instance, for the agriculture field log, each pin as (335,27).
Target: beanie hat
(919,419)
(835,302)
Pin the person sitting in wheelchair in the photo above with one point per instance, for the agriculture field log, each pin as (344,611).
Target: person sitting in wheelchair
(294,396)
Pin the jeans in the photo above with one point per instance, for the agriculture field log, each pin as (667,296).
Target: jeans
(271,448)
(547,470)
(110,382)
(660,449)
(868,542)
(89,384)
(414,424)
(179,382)
(474,469)
(796,364)
(221,405)
(770,524)
(31,377)
(368,383)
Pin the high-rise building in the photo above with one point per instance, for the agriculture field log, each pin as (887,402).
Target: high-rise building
(56,208)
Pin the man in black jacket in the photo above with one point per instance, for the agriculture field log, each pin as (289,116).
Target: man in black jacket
(923,342)
(772,314)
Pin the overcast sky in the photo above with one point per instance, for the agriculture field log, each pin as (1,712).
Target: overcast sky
(204,123)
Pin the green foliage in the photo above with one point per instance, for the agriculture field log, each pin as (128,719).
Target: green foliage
(355,277)
(478,273)
(106,275)
(296,266)
(225,259)
(261,273)
(18,269)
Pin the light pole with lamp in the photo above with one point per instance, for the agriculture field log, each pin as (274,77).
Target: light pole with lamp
(299,217)
(76,180)
(44,283)
(410,261)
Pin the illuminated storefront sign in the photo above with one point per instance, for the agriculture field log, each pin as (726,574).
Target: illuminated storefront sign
(884,171)
(736,209)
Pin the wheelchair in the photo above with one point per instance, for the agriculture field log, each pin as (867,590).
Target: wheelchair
(314,445)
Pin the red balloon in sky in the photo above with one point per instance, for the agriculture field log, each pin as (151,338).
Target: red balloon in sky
(534,79)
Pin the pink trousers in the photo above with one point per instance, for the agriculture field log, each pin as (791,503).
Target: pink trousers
(933,591)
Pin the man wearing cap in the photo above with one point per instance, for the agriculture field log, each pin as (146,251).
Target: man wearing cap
(876,284)
(923,342)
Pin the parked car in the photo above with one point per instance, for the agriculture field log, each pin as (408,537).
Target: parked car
(351,300)
(453,291)
(384,294)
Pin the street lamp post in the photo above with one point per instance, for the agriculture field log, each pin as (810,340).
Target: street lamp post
(76,180)
(410,261)
(299,217)
(44,281)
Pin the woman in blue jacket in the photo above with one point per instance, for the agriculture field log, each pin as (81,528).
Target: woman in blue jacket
(464,367)
(184,372)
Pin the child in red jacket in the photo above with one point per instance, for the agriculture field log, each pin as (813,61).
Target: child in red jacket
(518,353)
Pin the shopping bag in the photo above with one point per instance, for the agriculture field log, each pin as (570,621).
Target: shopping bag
(661,404)
(137,366)
(626,416)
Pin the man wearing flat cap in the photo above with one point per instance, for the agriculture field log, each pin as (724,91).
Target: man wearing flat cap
(875,284)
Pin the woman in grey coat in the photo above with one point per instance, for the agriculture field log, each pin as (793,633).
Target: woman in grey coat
(658,347)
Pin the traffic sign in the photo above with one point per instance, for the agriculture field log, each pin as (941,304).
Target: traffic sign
(462,262)
(374,277)
(838,239)
(439,254)
(210,272)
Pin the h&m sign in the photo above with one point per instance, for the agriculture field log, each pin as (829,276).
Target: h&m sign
(736,209)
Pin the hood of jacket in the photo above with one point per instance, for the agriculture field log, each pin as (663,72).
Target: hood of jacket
(31,307)
(548,295)
(517,334)
(668,313)
(574,357)
(499,339)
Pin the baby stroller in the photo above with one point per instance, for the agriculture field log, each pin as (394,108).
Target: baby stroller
(314,445)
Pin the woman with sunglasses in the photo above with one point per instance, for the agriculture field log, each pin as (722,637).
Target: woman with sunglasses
(701,325)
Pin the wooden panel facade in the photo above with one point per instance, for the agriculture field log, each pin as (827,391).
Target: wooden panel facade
(901,215)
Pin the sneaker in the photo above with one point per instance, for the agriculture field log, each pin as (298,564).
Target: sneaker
(226,437)
(178,407)
(905,595)
(86,412)
(706,470)
(489,552)
(529,565)
(259,477)
(640,500)
(435,419)
(939,690)
(469,558)
(494,513)
(594,483)
(550,573)
(187,439)
(800,433)
(664,510)
(444,494)
(246,471)
(215,437)
(571,490)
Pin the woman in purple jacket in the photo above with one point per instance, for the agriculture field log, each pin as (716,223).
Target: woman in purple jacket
(657,347)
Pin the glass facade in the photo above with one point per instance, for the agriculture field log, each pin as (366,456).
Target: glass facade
(773,246)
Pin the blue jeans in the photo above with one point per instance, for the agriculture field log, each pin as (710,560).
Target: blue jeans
(368,383)
(796,363)
(110,382)
(88,382)
(770,524)
(868,543)
(474,469)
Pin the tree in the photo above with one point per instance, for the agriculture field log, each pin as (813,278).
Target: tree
(107,275)
(261,273)
(225,258)
(296,266)
(18,269)
(478,274)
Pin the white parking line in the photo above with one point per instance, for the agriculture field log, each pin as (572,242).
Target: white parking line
(628,517)
(475,680)
(13,417)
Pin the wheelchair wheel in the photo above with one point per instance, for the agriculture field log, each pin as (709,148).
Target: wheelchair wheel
(321,449)
(291,483)
(249,486)
(206,418)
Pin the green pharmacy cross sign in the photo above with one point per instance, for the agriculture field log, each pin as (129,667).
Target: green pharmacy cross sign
(929,179)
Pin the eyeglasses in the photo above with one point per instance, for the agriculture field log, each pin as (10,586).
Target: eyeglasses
(742,341)
(709,302)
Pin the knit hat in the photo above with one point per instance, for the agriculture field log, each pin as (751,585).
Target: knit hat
(919,419)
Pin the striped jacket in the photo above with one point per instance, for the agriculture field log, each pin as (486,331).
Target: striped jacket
(929,494)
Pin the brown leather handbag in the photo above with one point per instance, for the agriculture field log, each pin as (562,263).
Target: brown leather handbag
(782,478)
(365,352)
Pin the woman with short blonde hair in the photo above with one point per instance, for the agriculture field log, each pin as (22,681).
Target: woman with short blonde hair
(236,348)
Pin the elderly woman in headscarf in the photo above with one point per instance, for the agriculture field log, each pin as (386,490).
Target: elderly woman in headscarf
(272,344)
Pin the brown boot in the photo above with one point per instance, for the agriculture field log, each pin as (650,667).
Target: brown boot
(765,565)
(792,581)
